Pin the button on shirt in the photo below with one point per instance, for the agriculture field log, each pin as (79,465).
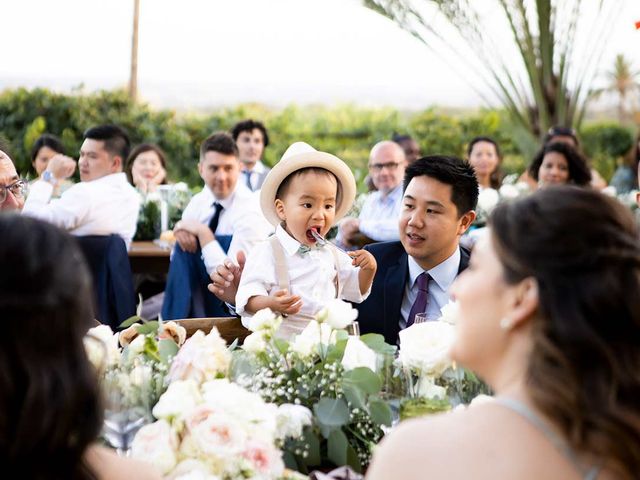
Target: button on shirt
(380,214)
(311,275)
(241,217)
(102,206)
(442,276)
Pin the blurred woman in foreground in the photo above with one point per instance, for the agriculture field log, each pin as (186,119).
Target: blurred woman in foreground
(550,319)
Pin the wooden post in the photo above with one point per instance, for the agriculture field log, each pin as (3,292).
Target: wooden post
(133,77)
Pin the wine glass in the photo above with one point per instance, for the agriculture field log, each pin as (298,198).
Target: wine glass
(126,407)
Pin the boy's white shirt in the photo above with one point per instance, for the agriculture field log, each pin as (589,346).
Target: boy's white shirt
(312,275)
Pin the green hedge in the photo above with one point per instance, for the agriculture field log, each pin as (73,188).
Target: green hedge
(347,131)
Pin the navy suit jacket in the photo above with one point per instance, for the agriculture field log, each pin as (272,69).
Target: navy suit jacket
(380,312)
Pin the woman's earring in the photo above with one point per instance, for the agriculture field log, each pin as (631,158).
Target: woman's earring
(505,323)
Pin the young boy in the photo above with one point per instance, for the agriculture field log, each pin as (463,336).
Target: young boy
(307,192)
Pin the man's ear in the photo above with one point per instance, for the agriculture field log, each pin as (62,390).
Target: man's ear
(117,164)
(465,221)
(525,301)
(280,209)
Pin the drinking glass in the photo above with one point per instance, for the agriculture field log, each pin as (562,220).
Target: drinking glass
(126,407)
(425,317)
(394,385)
(354,329)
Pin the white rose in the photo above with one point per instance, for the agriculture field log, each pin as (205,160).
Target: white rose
(217,434)
(180,187)
(358,354)
(425,347)
(307,341)
(136,346)
(488,198)
(264,319)
(180,398)
(140,375)
(192,469)
(254,343)
(450,313)
(201,358)
(337,314)
(101,345)
(426,388)
(156,444)
(291,419)
(153,197)
(264,458)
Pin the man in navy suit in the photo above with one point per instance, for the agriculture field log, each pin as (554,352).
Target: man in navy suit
(440,194)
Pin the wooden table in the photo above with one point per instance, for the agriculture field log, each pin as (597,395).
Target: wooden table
(148,257)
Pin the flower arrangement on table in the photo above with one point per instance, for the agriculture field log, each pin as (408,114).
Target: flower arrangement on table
(168,202)
(331,373)
(434,382)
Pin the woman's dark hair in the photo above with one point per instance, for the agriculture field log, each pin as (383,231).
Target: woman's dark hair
(46,140)
(582,249)
(496,176)
(579,172)
(451,171)
(249,126)
(49,395)
(142,148)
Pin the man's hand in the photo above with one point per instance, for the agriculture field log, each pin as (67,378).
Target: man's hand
(188,241)
(226,278)
(195,230)
(349,227)
(61,166)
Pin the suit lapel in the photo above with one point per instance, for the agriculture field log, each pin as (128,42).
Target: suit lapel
(394,284)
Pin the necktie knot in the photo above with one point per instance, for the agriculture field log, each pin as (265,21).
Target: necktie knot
(422,282)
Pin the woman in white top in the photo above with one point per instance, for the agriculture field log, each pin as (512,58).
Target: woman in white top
(549,317)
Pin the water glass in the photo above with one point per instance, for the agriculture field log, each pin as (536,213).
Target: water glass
(354,329)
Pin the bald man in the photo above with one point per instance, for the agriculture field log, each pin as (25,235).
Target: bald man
(378,219)
(12,187)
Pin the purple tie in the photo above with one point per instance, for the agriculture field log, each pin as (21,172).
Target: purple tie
(420,304)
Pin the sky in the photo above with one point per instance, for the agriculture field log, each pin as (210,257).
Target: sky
(196,54)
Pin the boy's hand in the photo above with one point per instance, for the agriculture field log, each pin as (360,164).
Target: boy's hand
(363,259)
(285,303)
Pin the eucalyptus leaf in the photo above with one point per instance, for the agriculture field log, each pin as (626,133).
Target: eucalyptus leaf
(352,459)
(376,343)
(312,440)
(380,412)
(148,327)
(332,412)
(167,349)
(354,396)
(336,352)
(337,447)
(130,321)
(364,379)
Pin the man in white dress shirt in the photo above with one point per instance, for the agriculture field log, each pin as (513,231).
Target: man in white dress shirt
(223,219)
(104,202)
(251,138)
(378,219)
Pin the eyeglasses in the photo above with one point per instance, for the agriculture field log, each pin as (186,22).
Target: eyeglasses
(379,166)
(18,189)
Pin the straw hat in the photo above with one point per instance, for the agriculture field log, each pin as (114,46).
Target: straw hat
(302,155)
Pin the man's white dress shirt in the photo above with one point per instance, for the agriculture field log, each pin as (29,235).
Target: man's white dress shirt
(442,276)
(380,214)
(102,206)
(240,217)
(311,275)
(256,175)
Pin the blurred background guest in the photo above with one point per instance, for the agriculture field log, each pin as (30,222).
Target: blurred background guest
(146,167)
(409,145)
(548,321)
(484,156)
(557,164)
(251,138)
(44,149)
(12,187)
(50,403)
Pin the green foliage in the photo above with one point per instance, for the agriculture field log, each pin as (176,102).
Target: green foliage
(604,143)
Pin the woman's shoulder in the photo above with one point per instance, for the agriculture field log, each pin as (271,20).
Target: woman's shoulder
(108,465)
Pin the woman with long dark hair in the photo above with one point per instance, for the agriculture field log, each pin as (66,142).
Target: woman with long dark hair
(549,318)
(50,407)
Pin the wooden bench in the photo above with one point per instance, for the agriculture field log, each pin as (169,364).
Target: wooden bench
(230,328)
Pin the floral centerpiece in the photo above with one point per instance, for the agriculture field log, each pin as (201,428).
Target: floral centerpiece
(324,369)
(161,209)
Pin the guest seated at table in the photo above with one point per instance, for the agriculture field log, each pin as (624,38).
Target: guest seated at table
(378,219)
(559,164)
(44,149)
(12,187)
(50,407)
(221,220)
(549,318)
(147,167)
(103,203)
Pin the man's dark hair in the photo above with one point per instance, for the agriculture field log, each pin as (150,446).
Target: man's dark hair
(560,131)
(116,141)
(249,126)
(451,171)
(399,138)
(220,142)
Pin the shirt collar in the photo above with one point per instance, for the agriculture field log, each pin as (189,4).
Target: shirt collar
(259,167)
(290,244)
(443,274)
(392,196)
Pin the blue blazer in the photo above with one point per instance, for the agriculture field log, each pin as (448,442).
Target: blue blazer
(380,312)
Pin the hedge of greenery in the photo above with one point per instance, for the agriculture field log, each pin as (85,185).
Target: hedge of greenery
(347,131)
